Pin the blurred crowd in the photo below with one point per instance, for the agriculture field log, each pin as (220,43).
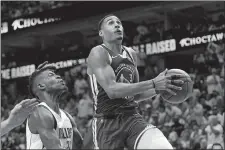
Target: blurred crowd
(197,123)
(14,9)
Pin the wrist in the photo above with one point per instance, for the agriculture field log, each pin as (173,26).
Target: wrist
(10,122)
(153,83)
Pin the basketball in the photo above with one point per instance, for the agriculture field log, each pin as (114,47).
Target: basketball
(183,94)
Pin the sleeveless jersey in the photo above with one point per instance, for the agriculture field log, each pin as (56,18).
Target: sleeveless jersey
(124,69)
(64,130)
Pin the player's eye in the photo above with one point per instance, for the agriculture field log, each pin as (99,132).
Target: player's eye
(51,74)
(110,22)
(118,22)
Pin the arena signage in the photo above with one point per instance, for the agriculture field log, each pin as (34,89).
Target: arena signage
(156,47)
(22,23)
(201,39)
(68,63)
(25,71)
(180,44)
(18,72)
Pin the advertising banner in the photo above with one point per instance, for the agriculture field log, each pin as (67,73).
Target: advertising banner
(173,45)
(24,71)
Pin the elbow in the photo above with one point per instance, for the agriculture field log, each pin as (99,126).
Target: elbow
(111,94)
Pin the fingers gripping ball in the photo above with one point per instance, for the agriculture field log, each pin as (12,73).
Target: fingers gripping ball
(181,95)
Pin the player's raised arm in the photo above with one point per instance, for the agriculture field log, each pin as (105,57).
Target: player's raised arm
(99,63)
(18,115)
(42,122)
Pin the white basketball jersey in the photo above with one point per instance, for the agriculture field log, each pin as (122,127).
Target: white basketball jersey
(64,130)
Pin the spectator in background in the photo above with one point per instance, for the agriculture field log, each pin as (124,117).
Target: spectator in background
(200,62)
(68,80)
(173,137)
(143,35)
(184,140)
(189,30)
(196,109)
(217,49)
(162,115)
(192,74)
(172,110)
(214,132)
(203,142)
(85,106)
(185,109)
(196,133)
(154,34)
(213,82)
(199,83)
(80,85)
(71,105)
(218,113)
(211,58)
(177,126)
(149,73)
(154,119)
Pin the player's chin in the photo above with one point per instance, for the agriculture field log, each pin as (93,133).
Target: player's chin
(119,38)
(63,87)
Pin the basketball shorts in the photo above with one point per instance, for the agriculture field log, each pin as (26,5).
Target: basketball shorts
(118,131)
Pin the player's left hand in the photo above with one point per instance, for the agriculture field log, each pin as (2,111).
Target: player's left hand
(21,111)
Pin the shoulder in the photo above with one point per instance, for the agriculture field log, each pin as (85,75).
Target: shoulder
(41,118)
(98,57)
(132,52)
(97,52)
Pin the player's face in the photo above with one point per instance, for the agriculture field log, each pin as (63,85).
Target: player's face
(112,29)
(53,82)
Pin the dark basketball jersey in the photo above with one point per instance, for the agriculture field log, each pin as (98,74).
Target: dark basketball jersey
(124,68)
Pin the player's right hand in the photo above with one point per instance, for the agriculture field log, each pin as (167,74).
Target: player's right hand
(168,83)
(22,110)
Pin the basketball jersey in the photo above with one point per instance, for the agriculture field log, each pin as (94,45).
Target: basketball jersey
(64,131)
(124,69)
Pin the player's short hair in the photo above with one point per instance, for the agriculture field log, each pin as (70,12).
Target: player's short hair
(42,67)
(102,20)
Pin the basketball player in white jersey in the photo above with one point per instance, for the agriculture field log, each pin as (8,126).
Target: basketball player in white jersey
(49,127)
(116,88)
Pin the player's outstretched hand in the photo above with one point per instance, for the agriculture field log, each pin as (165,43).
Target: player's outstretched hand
(21,111)
(164,82)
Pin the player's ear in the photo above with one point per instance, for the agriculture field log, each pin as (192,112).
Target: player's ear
(41,86)
(100,33)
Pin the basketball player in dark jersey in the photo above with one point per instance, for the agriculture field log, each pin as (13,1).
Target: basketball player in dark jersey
(116,88)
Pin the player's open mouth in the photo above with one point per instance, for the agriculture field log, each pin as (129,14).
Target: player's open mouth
(118,31)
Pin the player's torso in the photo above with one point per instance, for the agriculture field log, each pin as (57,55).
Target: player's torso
(124,69)
(64,131)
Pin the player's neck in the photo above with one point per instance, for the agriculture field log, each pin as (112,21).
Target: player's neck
(115,47)
(53,102)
